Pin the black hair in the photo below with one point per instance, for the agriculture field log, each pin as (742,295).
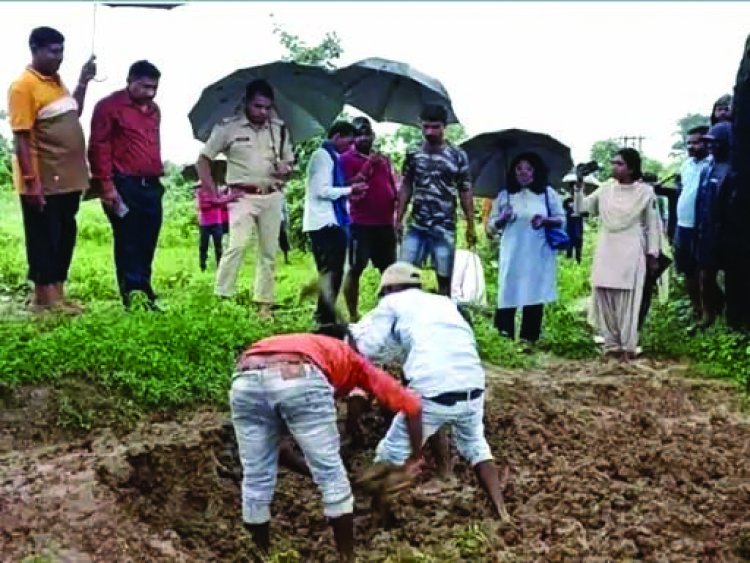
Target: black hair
(362,124)
(632,160)
(540,182)
(725,100)
(334,330)
(434,112)
(143,69)
(258,87)
(44,36)
(339,331)
(341,128)
(700,130)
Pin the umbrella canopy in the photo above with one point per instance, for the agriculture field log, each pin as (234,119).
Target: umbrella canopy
(490,154)
(158,6)
(308,98)
(389,90)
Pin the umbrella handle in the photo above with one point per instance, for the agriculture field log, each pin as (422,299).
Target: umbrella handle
(93,39)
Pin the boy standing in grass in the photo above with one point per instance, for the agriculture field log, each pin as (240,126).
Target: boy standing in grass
(213,222)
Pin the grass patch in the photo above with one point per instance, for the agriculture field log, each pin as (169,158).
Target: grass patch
(185,356)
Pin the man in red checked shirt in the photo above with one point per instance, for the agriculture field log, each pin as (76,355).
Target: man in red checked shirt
(125,161)
(373,235)
(293,380)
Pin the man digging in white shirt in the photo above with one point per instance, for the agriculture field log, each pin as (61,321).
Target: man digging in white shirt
(442,366)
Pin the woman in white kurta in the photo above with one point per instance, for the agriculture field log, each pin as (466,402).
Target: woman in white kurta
(527,276)
(628,244)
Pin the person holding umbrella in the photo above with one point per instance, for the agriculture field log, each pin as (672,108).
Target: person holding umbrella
(49,168)
(259,162)
(527,267)
(435,175)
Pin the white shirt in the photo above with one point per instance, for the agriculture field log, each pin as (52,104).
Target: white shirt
(441,353)
(690,173)
(320,193)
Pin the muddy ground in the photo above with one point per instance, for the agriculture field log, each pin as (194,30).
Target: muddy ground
(600,462)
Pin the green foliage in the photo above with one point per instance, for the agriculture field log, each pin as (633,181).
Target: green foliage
(323,54)
(716,352)
(653,166)
(6,155)
(602,152)
(472,542)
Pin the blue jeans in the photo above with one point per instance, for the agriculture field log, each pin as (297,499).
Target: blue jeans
(262,401)
(420,243)
(136,234)
(465,419)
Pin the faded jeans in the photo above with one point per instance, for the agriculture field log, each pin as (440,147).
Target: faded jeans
(464,418)
(440,247)
(262,401)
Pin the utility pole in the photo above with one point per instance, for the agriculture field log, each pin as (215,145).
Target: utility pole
(636,140)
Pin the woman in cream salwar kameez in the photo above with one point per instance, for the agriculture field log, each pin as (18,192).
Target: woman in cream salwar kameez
(629,242)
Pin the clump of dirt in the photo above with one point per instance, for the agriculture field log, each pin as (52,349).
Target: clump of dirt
(599,460)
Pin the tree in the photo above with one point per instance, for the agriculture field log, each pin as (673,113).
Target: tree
(691,120)
(6,154)
(602,152)
(323,54)
(328,50)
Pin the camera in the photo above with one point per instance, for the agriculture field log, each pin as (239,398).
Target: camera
(585,168)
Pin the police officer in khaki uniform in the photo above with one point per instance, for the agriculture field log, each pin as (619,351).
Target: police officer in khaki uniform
(259,162)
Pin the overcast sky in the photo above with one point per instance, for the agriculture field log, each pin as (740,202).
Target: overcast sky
(579,71)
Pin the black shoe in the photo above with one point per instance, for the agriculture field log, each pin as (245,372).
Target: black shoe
(154,307)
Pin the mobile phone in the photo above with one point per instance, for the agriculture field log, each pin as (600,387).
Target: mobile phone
(120,208)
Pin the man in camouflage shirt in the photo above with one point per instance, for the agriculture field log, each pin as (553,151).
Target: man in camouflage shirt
(436,174)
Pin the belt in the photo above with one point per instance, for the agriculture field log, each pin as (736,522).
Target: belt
(143,180)
(452,397)
(263,361)
(253,189)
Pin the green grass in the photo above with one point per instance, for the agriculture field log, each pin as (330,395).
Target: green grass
(185,356)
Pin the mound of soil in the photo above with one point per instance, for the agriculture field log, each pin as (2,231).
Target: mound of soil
(598,460)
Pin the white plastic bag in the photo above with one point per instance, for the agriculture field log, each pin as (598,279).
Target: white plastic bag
(467,285)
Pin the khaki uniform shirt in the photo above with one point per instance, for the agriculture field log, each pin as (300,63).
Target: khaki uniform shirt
(251,151)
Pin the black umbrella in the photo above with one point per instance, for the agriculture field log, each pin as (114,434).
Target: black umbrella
(490,154)
(308,98)
(157,5)
(392,91)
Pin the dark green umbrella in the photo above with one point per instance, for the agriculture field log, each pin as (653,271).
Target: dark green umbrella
(308,98)
(389,90)
(490,154)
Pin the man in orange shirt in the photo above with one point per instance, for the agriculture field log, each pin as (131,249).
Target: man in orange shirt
(49,167)
(293,380)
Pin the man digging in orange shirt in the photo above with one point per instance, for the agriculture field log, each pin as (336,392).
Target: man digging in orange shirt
(293,380)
